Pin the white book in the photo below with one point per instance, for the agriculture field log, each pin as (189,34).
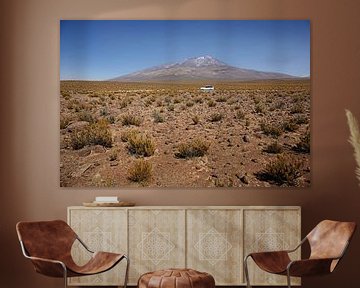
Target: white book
(102,202)
(107,199)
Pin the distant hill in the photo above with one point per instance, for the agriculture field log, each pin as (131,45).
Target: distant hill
(199,68)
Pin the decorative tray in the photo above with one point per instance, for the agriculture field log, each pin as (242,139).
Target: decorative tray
(120,204)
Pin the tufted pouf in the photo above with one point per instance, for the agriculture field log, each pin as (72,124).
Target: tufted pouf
(176,278)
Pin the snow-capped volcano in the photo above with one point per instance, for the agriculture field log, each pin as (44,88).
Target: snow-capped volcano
(199,68)
(202,61)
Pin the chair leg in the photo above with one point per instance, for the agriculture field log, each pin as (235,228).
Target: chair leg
(126,271)
(288,278)
(246,270)
(65,276)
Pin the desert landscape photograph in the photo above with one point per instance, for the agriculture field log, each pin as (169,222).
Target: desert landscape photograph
(160,103)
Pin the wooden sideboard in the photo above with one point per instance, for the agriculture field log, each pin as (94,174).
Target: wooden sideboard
(213,239)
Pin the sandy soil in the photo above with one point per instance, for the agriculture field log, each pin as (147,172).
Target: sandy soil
(236,155)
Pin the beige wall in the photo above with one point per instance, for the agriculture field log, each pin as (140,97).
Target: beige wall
(29,118)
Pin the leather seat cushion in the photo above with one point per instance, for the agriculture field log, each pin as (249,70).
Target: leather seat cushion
(176,278)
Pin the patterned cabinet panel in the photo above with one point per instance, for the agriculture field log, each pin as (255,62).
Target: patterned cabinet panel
(156,240)
(214,244)
(101,230)
(267,230)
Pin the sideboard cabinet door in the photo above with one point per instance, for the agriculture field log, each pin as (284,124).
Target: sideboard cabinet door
(270,230)
(214,244)
(101,230)
(156,240)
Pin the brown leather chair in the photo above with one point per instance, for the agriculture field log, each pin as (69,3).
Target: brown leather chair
(48,245)
(328,242)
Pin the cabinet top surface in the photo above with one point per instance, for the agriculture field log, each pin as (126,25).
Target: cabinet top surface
(192,207)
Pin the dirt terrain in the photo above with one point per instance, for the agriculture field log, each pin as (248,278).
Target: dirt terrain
(244,134)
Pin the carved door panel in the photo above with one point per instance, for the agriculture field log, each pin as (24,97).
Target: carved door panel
(101,230)
(214,244)
(156,240)
(270,230)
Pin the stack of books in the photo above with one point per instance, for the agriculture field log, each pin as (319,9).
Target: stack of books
(106,199)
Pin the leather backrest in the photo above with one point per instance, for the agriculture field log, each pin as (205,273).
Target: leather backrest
(329,238)
(46,239)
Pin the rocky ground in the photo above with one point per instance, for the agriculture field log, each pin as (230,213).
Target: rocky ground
(253,134)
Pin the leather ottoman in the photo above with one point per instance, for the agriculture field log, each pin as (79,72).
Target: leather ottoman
(176,278)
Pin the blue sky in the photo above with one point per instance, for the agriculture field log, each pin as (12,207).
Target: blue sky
(104,49)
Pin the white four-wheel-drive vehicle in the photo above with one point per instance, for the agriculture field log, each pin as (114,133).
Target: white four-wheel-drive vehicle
(207,88)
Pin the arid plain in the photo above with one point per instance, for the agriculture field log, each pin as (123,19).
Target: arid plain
(242,134)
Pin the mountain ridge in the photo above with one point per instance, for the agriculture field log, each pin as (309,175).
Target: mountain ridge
(200,68)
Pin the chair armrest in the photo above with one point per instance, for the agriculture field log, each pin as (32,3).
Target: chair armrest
(309,267)
(48,267)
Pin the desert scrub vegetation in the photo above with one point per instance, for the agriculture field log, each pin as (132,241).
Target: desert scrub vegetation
(221,99)
(194,148)
(111,119)
(86,116)
(130,119)
(140,144)
(140,171)
(171,107)
(240,115)
(304,144)
(260,107)
(128,134)
(113,155)
(301,119)
(290,125)
(274,148)
(273,130)
(215,117)
(284,170)
(158,117)
(125,102)
(64,121)
(189,103)
(211,103)
(195,119)
(297,108)
(97,133)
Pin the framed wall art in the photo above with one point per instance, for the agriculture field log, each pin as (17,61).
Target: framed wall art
(179,103)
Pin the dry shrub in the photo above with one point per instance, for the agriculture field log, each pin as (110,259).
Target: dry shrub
(141,145)
(130,119)
(274,130)
(290,125)
(211,103)
(274,148)
(125,102)
(194,148)
(215,117)
(113,155)
(195,119)
(221,99)
(297,108)
(140,172)
(95,134)
(64,121)
(158,117)
(259,108)
(86,116)
(283,171)
(240,115)
(128,134)
(304,144)
(301,119)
